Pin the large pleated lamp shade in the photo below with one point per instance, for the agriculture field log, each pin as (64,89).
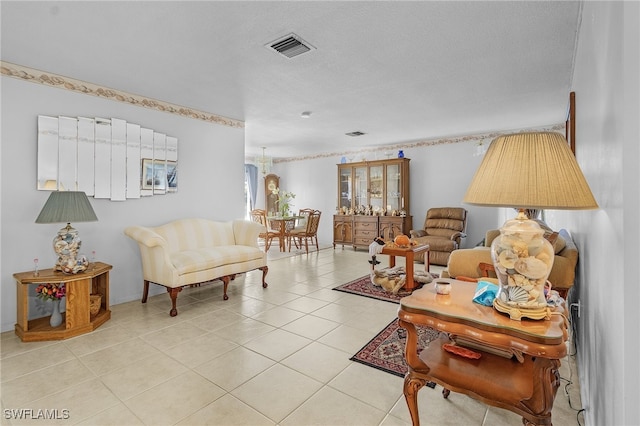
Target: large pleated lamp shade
(530,170)
(534,170)
(67,207)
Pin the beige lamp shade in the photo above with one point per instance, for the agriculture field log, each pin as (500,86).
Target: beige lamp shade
(530,170)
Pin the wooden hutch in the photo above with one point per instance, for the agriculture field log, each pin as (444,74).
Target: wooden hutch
(372,187)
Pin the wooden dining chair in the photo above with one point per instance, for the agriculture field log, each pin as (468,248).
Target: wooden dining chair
(260,216)
(307,233)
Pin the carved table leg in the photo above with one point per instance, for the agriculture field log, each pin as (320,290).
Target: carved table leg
(412,384)
(411,387)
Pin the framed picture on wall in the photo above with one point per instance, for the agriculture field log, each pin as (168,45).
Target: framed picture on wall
(154,174)
(172,176)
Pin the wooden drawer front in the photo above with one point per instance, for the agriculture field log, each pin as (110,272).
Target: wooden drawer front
(366,226)
(363,233)
(359,241)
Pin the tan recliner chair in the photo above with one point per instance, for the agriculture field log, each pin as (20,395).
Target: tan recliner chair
(443,230)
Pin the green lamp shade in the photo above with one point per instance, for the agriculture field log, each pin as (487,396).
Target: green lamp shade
(65,207)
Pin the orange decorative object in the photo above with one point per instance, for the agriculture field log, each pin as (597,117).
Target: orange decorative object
(459,350)
(401,240)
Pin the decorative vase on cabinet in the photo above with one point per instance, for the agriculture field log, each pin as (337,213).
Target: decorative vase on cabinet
(56,317)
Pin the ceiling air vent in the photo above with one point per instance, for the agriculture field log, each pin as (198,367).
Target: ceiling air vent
(354,134)
(290,46)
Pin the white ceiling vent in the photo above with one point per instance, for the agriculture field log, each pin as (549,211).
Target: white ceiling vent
(290,46)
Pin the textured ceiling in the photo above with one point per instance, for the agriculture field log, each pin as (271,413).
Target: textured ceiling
(397,71)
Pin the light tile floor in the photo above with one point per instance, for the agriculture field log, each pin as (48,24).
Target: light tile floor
(266,356)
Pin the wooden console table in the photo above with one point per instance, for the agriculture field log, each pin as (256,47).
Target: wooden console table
(517,370)
(77,318)
(409,254)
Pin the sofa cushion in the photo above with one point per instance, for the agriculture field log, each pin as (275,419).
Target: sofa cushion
(195,260)
(193,234)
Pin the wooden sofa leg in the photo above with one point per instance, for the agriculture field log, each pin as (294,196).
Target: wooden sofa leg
(145,291)
(173,293)
(264,270)
(225,280)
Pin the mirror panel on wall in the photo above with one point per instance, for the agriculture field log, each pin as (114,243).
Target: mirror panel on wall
(133,160)
(86,145)
(172,164)
(159,163)
(118,160)
(102,159)
(146,155)
(105,158)
(67,153)
(47,153)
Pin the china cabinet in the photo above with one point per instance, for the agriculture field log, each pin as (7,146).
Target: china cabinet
(373,200)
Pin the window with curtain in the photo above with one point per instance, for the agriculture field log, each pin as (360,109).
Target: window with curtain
(251,186)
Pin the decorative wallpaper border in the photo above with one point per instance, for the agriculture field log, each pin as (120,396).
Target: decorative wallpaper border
(50,79)
(477,139)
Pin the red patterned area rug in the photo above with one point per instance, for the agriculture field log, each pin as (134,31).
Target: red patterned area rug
(364,287)
(386,351)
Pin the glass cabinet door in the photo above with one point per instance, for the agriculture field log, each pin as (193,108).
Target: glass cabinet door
(361,187)
(376,187)
(394,188)
(345,188)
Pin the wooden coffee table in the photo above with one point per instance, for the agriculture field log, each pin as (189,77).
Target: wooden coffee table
(409,254)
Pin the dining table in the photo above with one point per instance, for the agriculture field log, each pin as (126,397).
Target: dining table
(282,225)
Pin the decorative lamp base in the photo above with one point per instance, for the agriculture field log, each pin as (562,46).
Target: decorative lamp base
(66,244)
(522,258)
(517,313)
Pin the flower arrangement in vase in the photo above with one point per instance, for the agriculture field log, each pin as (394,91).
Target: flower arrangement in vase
(283,201)
(53,292)
(50,291)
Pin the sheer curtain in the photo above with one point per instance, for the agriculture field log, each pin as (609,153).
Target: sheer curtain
(251,177)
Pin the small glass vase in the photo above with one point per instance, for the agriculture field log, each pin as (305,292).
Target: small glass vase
(56,316)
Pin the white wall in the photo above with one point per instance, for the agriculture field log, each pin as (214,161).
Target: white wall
(211,176)
(607,96)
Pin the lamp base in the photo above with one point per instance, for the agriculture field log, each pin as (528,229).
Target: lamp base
(66,244)
(517,313)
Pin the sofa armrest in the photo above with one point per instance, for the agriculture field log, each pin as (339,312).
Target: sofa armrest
(417,233)
(154,254)
(145,236)
(246,232)
(466,262)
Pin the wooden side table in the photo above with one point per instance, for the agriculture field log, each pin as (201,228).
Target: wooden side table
(518,367)
(77,318)
(409,254)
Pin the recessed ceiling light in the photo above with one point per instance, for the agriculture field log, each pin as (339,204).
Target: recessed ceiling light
(306,114)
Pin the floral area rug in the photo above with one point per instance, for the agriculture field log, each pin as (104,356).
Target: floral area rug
(364,287)
(386,351)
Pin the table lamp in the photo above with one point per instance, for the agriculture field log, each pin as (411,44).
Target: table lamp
(61,207)
(534,170)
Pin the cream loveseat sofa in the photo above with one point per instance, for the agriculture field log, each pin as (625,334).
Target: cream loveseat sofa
(193,251)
